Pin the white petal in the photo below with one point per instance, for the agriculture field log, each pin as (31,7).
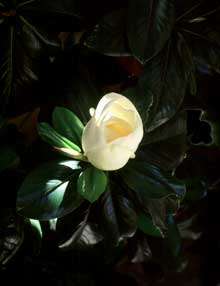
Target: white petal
(109,158)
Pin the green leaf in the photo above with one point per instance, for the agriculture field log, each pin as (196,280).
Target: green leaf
(109,36)
(91,184)
(149,26)
(146,225)
(8,158)
(149,182)
(67,124)
(52,137)
(49,191)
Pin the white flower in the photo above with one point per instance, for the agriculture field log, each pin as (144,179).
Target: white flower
(113,133)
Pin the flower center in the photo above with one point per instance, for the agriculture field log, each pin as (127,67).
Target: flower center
(116,128)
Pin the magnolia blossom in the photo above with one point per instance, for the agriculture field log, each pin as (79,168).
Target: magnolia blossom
(113,133)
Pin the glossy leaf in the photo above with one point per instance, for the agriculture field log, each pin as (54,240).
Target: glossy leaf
(149,182)
(68,124)
(149,26)
(91,184)
(109,36)
(55,139)
(146,225)
(49,191)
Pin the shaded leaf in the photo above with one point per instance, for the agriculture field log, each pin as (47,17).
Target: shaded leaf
(76,232)
(109,35)
(119,216)
(8,158)
(173,238)
(91,184)
(68,124)
(166,78)
(149,26)
(146,225)
(49,191)
(24,51)
(149,182)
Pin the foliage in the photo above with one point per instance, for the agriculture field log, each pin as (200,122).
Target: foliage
(162,55)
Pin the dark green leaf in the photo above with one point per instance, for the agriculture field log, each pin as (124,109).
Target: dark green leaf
(109,36)
(149,182)
(149,26)
(119,216)
(76,232)
(24,54)
(49,191)
(68,124)
(166,146)
(8,158)
(146,225)
(196,189)
(166,77)
(159,209)
(91,184)
(173,238)
(52,137)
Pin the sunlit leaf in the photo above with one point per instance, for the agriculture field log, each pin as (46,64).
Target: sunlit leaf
(68,124)
(49,191)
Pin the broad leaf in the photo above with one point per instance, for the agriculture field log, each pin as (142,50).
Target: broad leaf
(55,139)
(149,26)
(49,191)
(68,124)
(91,184)
(109,35)
(149,182)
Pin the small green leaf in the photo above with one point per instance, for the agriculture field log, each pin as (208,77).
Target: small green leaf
(91,184)
(52,137)
(8,158)
(49,191)
(146,224)
(67,124)
(150,182)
